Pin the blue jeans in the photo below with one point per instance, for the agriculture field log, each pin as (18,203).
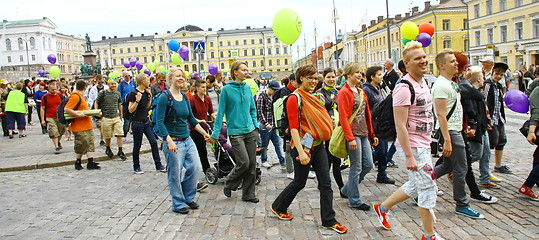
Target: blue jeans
(266,135)
(481,152)
(183,186)
(139,129)
(360,165)
(391,151)
(380,154)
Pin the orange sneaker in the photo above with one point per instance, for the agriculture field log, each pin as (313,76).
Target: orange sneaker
(382,216)
(433,237)
(282,216)
(528,191)
(338,228)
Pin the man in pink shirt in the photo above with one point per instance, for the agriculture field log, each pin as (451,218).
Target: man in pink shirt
(414,123)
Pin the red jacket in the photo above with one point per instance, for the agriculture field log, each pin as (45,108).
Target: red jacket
(345,103)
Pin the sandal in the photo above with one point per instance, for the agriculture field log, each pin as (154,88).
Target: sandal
(22,135)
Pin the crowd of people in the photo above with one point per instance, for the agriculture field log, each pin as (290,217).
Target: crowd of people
(465,104)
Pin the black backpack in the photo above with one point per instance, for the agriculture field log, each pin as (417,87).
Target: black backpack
(383,120)
(125,107)
(60,113)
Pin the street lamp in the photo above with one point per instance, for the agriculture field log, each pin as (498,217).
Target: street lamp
(335,17)
(27,56)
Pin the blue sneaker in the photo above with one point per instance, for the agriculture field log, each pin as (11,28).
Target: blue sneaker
(470,212)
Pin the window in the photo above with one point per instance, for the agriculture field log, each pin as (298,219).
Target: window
(228,43)
(262,63)
(186,67)
(19,41)
(446,24)
(519,3)
(161,58)
(122,60)
(145,59)
(535,28)
(136,49)
(252,41)
(277,50)
(32,43)
(237,42)
(128,50)
(144,49)
(8,44)
(476,10)
(114,61)
(261,52)
(504,59)
(253,52)
(220,43)
(278,62)
(269,51)
(270,63)
(194,68)
(211,44)
(503,33)
(222,65)
(269,40)
(490,36)
(221,54)
(489,7)
(285,50)
(49,43)
(286,61)
(153,58)
(151,48)
(503,5)
(121,50)
(21,58)
(276,40)
(518,31)
(477,38)
(212,54)
(465,23)
(113,51)
(8,59)
(244,52)
(447,43)
(260,41)
(254,64)
(245,42)
(160,48)
(43,42)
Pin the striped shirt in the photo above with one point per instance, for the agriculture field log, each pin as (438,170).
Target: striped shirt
(108,103)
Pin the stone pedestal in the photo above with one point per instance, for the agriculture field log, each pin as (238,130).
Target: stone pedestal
(90,58)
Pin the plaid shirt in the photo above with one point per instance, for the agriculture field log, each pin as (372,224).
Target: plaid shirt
(264,108)
(497,117)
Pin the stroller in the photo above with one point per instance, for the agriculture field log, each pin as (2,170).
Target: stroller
(225,160)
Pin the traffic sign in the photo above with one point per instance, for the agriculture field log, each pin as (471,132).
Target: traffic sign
(199,47)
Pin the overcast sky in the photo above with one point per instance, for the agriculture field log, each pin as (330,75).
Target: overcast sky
(111,17)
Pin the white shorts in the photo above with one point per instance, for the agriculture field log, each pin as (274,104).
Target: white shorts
(420,184)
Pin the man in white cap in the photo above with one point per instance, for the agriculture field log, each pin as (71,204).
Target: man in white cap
(488,63)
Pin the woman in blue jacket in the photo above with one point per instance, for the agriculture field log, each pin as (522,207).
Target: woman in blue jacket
(237,104)
(173,117)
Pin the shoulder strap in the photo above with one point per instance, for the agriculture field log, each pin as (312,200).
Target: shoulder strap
(412,90)
(78,104)
(452,110)
(357,110)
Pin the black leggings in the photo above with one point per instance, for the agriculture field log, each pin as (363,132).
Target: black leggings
(335,164)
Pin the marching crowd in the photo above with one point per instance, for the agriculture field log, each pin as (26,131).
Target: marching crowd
(465,104)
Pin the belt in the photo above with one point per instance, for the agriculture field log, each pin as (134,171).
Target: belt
(175,139)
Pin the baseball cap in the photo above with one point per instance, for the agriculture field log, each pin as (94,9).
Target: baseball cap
(274,85)
(487,59)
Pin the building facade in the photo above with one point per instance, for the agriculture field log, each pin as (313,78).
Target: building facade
(257,47)
(69,51)
(506,30)
(370,45)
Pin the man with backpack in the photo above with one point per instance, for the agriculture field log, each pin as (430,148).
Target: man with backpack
(49,107)
(81,127)
(110,103)
(139,102)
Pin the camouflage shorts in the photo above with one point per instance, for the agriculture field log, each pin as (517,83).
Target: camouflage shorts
(84,142)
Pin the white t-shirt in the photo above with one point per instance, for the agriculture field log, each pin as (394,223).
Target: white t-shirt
(445,89)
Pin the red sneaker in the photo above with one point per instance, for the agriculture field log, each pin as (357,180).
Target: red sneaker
(489,185)
(528,191)
(382,216)
(338,228)
(283,216)
(433,237)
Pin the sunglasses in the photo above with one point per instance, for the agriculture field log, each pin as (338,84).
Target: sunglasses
(127,76)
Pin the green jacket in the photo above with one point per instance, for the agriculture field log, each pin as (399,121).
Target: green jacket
(16,102)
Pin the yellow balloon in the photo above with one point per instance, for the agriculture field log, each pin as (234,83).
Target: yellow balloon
(162,69)
(409,30)
(151,66)
(176,59)
(186,73)
(55,71)
(287,25)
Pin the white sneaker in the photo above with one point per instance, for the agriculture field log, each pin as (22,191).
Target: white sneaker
(311,174)
(440,193)
(266,164)
(290,175)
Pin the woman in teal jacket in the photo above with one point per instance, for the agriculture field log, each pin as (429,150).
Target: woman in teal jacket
(237,104)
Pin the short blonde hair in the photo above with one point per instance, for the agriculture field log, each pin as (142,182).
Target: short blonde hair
(141,77)
(477,72)
(410,46)
(351,68)
(440,57)
(172,71)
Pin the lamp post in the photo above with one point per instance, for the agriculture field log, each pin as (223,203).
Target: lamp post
(335,17)
(388,33)
(27,56)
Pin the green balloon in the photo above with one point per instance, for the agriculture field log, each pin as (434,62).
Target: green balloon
(405,41)
(287,25)
(151,66)
(176,59)
(55,71)
(156,62)
(162,69)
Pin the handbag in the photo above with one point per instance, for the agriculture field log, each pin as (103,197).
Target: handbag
(525,129)
(337,143)
(438,138)
(31,103)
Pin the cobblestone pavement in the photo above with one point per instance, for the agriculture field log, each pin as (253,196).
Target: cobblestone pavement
(114,203)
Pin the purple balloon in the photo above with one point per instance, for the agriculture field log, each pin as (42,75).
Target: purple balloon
(139,64)
(148,72)
(51,58)
(517,101)
(424,38)
(132,62)
(184,52)
(127,64)
(41,72)
(213,68)
(196,74)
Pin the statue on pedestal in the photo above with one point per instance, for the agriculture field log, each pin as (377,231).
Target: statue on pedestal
(88,44)
(97,69)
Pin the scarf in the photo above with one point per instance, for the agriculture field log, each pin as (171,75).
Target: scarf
(315,120)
